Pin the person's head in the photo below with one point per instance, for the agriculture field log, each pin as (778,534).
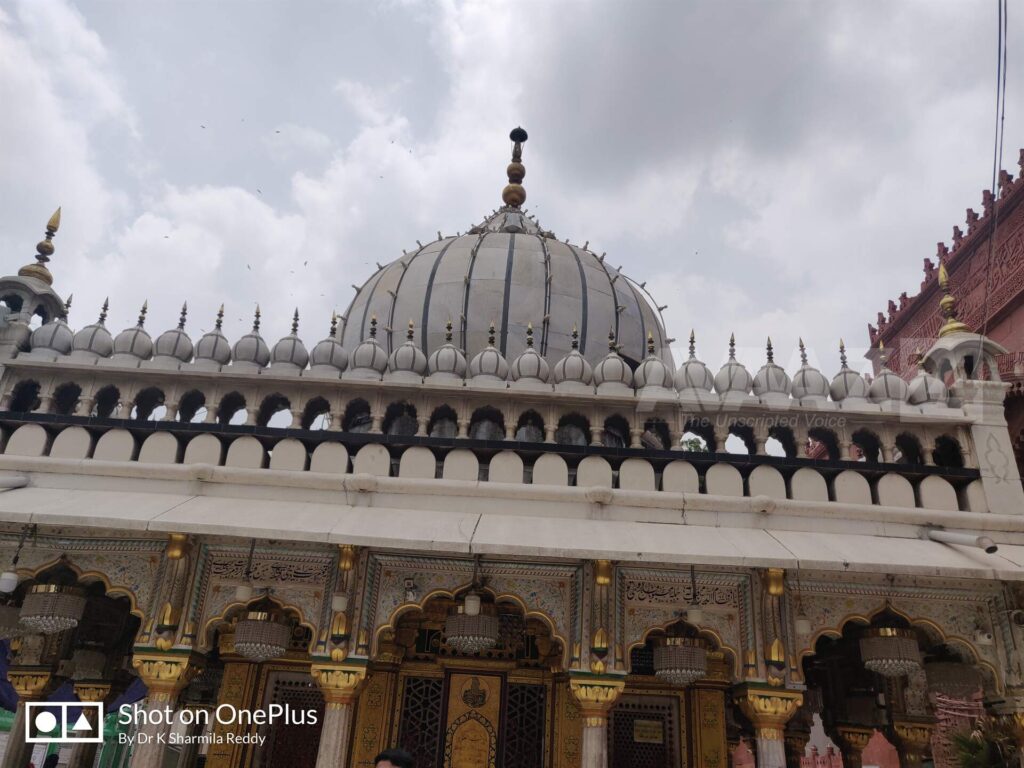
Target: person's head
(51,761)
(393,758)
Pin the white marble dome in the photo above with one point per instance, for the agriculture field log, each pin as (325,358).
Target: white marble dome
(489,363)
(369,356)
(573,369)
(652,373)
(771,378)
(887,385)
(809,382)
(175,343)
(135,341)
(251,349)
(214,346)
(408,358)
(329,353)
(733,377)
(290,352)
(54,335)
(926,389)
(447,361)
(693,374)
(529,366)
(612,372)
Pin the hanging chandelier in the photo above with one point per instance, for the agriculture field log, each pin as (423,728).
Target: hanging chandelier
(469,630)
(261,636)
(890,651)
(681,660)
(954,679)
(52,608)
(10,622)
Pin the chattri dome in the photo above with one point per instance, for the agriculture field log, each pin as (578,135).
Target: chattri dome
(510,271)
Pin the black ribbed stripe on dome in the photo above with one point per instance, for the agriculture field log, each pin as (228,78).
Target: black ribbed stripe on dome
(615,297)
(640,312)
(463,325)
(545,330)
(584,299)
(508,290)
(426,297)
(366,306)
(394,298)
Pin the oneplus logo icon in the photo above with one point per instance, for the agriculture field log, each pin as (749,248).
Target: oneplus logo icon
(65,723)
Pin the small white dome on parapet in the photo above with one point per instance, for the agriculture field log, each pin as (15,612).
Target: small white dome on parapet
(733,378)
(328,357)
(573,372)
(529,370)
(174,345)
(251,350)
(887,386)
(847,384)
(133,345)
(213,349)
(926,389)
(809,383)
(693,375)
(612,375)
(447,361)
(369,360)
(289,354)
(488,367)
(652,374)
(407,362)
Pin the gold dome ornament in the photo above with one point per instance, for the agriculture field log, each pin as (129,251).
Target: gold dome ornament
(947,306)
(513,194)
(44,250)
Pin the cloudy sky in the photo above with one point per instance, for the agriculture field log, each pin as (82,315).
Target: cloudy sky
(768,168)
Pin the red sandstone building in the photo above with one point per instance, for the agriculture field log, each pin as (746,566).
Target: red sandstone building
(987,279)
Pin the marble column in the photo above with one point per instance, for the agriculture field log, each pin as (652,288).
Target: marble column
(165,675)
(769,709)
(339,683)
(31,684)
(595,695)
(83,754)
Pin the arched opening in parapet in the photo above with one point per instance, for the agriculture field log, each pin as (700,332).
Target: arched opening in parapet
(232,409)
(400,420)
(357,417)
(573,429)
(65,398)
(655,436)
(868,444)
(530,428)
(699,436)
(275,412)
(107,402)
(317,414)
(908,450)
(487,423)
(147,402)
(781,442)
(444,422)
(822,444)
(947,452)
(741,440)
(616,432)
(192,407)
(25,396)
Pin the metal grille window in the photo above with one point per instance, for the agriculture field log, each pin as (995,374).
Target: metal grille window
(642,733)
(525,726)
(420,730)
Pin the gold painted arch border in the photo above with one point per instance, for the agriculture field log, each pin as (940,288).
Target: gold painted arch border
(705,633)
(88,577)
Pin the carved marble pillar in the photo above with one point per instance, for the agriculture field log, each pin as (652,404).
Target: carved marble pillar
(769,709)
(915,741)
(852,740)
(595,695)
(31,684)
(165,675)
(339,684)
(83,754)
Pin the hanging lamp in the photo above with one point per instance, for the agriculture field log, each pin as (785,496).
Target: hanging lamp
(469,630)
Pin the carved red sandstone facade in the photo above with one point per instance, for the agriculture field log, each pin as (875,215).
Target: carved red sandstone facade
(913,322)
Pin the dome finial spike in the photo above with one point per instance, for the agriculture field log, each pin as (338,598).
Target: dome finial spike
(410,332)
(883,355)
(334,324)
(142,313)
(373,326)
(842,355)
(184,314)
(575,337)
(514,195)
(770,350)
(732,346)
(67,304)
(44,250)
(803,352)
(295,322)
(256,320)
(103,311)
(491,334)
(947,306)
(220,318)
(693,345)
(650,342)
(919,359)
(448,331)
(611,339)
(529,334)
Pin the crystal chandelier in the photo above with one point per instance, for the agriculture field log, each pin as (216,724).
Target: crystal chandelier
(953,679)
(10,622)
(681,660)
(260,636)
(52,608)
(890,651)
(469,631)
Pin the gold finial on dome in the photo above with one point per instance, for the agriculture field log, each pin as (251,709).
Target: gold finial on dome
(142,313)
(513,194)
(181,318)
(611,340)
(529,334)
(373,326)
(732,346)
(334,325)
(883,355)
(448,331)
(44,250)
(803,352)
(947,306)
(693,345)
(650,342)
(771,351)
(491,334)
(220,317)
(575,337)
(295,322)
(67,305)
(842,355)
(256,320)
(410,332)
(103,311)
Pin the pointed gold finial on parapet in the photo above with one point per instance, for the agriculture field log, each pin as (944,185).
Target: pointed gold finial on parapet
(44,250)
(220,317)
(947,306)
(183,316)
(513,194)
